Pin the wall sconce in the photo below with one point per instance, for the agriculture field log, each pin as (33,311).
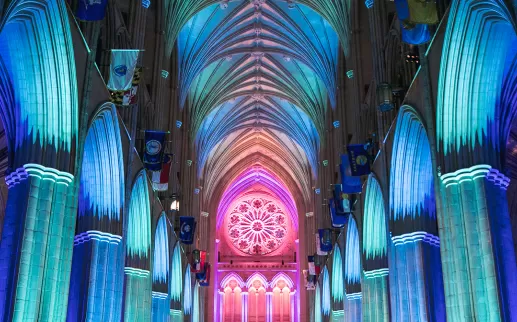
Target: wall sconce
(384,97)
(175,203)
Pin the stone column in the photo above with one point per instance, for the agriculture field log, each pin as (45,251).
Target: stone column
(36,244)
(269,307)
(96,285)
(477,246)
(161,307)
(245,306)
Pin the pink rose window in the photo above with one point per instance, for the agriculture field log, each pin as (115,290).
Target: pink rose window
(257,226)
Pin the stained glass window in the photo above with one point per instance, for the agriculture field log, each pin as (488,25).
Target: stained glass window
(257,226)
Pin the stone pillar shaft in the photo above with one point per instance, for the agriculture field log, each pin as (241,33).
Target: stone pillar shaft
(477,246)
(35,251)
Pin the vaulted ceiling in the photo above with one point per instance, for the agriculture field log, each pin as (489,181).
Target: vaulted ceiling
(257,78)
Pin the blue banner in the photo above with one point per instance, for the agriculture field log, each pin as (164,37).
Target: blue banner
(325,239)
(91,10)
(339,219)
(417,35)
(205,280)
(413,33)
(349,183)
(359,160)
(154,146)
(187,229)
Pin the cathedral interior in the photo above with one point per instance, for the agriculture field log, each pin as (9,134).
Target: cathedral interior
(258,160)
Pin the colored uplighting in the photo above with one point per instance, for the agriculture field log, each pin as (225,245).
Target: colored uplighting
(161,251)
(139,219)
(337,275)
(176,281)
(352,254)
(375,231)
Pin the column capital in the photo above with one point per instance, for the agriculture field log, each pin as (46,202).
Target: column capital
(472,173)
(476,172)
(36,170)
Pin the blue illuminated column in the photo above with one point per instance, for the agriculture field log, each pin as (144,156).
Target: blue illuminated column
(475,108)
(96,284)
(375,259)
(416,286)
(161,263)
(35,229)
(138,280)
(39,108)
(161,307)
(353,293)
(476,206)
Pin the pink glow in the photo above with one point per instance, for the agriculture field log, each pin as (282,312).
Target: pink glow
(255,179)
(257,226)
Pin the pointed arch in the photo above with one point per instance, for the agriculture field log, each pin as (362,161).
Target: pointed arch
(138,239)
(375,230)
(176,281)
(187,292)
(325,296)
(337,275)
(470,120)
(257,276)
(101,191)
(352,254)
(38,67)
(282,276)
(413,223)
(232,276)
(99,223)
(412,199)
(161,251)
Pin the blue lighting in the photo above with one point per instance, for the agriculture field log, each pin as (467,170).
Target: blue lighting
(187,296)
(352,254)
(101,192)
(139,219)
(325,299)
(176,281)
(161,251)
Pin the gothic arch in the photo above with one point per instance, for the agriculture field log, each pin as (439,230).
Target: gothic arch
(99,222)
(470,121)
(38,77)
(413,224)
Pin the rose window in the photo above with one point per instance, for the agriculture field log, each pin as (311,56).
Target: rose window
(257,226)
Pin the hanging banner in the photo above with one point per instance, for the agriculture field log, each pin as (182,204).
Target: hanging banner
(325,239)
(416,35)
(339,220)
(359,160)
(122,69)
(414,15)
(153,155)
(310,280)
(417,11)
(160,178)
(206,281)
(91,10)
(187,229)
(126,98)
(349,183)
(318,246)
(312,267)
(198,261)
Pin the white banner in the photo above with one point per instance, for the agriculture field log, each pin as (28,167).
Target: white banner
(318,246)
(122,69)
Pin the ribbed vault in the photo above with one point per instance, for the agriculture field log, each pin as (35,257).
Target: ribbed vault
(257,79)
